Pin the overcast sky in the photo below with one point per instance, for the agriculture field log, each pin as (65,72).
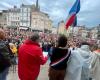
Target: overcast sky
(89,14)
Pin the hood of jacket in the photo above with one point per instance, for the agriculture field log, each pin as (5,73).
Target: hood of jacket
(31,42)
(85,51)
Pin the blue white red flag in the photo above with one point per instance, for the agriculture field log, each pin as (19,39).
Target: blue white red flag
(72,18)
(75,22)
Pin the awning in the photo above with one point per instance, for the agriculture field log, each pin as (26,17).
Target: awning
(24,28)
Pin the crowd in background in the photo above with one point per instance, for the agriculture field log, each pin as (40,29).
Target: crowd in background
(33,43)
(18,36)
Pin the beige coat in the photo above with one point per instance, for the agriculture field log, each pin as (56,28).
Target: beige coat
(95,66)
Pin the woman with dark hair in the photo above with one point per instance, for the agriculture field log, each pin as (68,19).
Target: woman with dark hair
(59,58)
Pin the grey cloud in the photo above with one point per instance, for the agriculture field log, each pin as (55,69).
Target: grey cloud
(58,9)
(5,5)
(89,13)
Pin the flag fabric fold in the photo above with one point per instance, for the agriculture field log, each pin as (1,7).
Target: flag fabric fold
(72,17)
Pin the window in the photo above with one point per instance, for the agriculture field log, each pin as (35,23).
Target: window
(21,9)
(18,18)
(28,24)
(28,9)
(24,18)
(28,14)
(21,24)
(28,18)
(25,9)
(24,14)
(24,24)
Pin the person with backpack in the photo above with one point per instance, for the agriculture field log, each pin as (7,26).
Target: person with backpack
(5,60)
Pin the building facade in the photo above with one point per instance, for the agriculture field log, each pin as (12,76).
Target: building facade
(13,17)
(25,16)
(83,32)
(54,30)
(61,27)
(40,21)
(94,32)
(98,33)
(1,19)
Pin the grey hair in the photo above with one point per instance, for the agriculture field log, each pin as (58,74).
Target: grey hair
(34,37)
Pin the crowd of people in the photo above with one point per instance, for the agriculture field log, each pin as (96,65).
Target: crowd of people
(70,58)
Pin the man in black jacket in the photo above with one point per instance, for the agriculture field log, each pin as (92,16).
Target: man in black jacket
(5,60)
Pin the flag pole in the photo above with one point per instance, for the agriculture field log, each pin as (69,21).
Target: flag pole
(72,31)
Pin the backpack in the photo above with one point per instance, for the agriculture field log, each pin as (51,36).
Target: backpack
(5,56)
(4,63)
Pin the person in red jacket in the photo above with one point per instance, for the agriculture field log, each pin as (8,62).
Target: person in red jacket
(30,58)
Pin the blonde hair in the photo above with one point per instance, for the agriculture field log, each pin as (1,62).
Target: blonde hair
(2,34)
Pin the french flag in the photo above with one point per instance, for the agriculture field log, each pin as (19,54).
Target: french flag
(72,17)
